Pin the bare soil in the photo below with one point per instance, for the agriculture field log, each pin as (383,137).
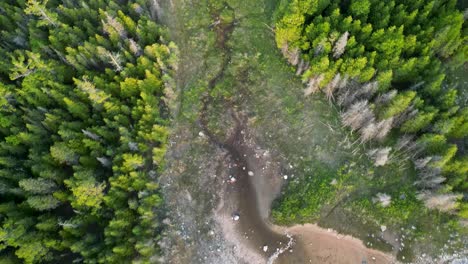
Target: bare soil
(319,245)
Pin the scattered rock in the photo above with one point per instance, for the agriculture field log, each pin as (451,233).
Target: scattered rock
(285,177)
(250,173)
(383,228)
(232,179)
(201,134)
(334,182)
(235,217)
(265,248)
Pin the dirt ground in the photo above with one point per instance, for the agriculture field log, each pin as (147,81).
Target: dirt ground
(258,182)
(326,246)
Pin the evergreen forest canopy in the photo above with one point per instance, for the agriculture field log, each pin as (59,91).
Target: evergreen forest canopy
(86,98)
(83,117)
(384,63)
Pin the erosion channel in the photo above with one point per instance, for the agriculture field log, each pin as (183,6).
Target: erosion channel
(241,126)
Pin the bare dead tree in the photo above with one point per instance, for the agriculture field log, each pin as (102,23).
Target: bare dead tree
(91,135)
(314,85)
(368,131)
(407,114)
(343,83)
(133,146)
(383,128)
(340,45)
(380,156)
(134,47)
(442,202)
(357,115)
(302,67)
(367,90)
(429,177)
(112,23)
(291,55)
(386,97)
(299,67)
(285,49)
(319,49)
(294,56)
(104,161)
(115,60)
(155,9)
(348,94)
(422,163)
(111,57)
(402,142)
(407,145)
(417,85)
(331,86)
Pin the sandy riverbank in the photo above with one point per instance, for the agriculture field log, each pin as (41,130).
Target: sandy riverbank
(258,182)
(318,245)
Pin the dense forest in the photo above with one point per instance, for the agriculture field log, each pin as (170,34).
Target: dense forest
(84,96)
(384,63)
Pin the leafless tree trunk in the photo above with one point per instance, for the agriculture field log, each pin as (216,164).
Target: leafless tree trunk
(380,155)
(407,114)
(134,47)
(421,163)
(358,115)
(368,131)
(104,161)
(90,135)
(155,9)
(383,128)
(441,202)
(340,45)
(331,87)
(313,85)
(114,24)
(386,97)
(302,67)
